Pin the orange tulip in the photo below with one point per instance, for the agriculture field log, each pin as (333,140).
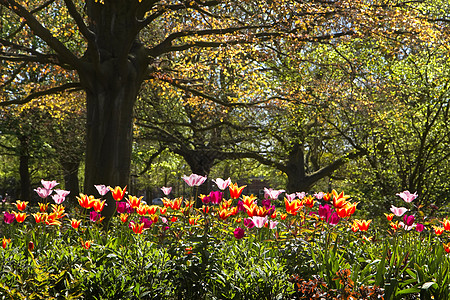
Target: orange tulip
(283,216)
(5,242)
(137,228)
(98,205)
(154,218)
(134,201)
(389,217)
(123,218)
(394,226)
(235,190)
(87,244)
(118,193)
(173,219)
(248,200)
(364,224)
(43,207)
(446,223)
(163,210)
(251,210)
(204,209)
(293,206)
(193,221)
(176,203)
(75,223)
(446,247)
(86,201)
(20,217)
(355,226)
(21,205)
(38,217)
(142,209)
(308,201)
(327,197)
(152,209)
(340,200)
(438,230)
(224,213)
(58,210)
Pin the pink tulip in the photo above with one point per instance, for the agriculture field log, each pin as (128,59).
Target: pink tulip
(49,184)
(301,195)
(407,196)
(194,179)
(259,221)
(222,184)
(319,195)
(291,197)
(166,190)
(62,193)
(102,189)
(58,198)
(398,211)
(273,224)
(43,193)
(272,194)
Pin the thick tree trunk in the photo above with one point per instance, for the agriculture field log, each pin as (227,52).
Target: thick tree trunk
(109,138)
(24,171)
(71,182)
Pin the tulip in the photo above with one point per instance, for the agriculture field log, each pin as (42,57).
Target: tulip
(364,224)
(438,230)
(249,223)
(166,190)
(273,224)
(292,207)
(222,184)
(239,233)
(75,223)
(39,217)
(21,205)
(122,207)
(259,221)
(147,223)
(446,223)
(194,179)
(319,195)
(43,193)
(118,193)
(389,217)
(49,184)
(215,197)
(398,211)
(8,218)
(272,194)
(95,216)
(447,247)
(98,205)
(419,227)
(134,201)
(123,217)
(137,228)
(407,196)
(86,201)
(58,198)
(102,189)
(20,217)
(301,195)
(235,190)
(30,246)
(87,244)
(5,242)
(409,220)
(43,207)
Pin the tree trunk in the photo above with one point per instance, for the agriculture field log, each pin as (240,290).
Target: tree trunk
(71,182)
(109,138)
(24,171)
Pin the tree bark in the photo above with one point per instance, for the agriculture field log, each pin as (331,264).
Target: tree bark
(24,171)
(71,182)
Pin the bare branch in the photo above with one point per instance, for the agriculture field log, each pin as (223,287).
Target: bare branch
(68,87)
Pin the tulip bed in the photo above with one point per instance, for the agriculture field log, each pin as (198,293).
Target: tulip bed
(236,247)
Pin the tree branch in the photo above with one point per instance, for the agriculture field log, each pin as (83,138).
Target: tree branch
(70,87)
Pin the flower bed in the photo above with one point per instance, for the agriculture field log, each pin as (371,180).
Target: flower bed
(236,247)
